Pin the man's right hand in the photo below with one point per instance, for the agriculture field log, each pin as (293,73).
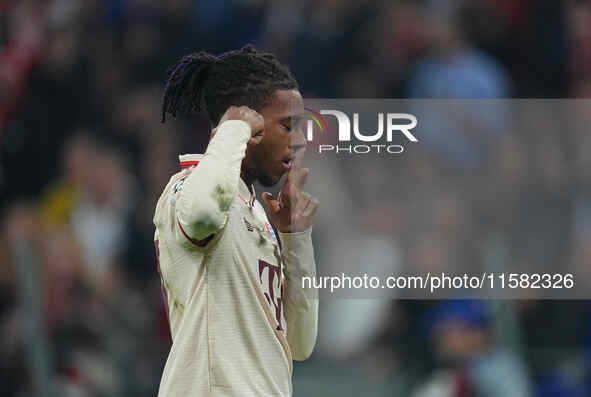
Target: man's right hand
(251,117)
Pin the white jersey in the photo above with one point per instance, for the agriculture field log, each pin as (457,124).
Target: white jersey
(237,312)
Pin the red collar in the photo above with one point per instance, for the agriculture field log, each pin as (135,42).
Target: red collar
(187,164)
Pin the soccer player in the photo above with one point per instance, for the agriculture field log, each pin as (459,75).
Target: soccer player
(237,311)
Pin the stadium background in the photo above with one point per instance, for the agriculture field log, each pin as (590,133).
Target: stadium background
(83,159)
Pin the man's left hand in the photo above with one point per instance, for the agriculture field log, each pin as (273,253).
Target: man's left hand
(293,210)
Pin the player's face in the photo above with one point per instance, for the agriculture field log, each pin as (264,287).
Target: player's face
(272,157)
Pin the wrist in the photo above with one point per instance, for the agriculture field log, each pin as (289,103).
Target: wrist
(295,234)
(235,127)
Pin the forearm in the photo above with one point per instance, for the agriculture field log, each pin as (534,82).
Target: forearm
(301,305)
(203,204)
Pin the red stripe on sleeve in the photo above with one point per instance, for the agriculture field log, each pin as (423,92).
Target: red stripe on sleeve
(185,164)
(197,243)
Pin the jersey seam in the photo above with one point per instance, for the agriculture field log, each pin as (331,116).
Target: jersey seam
(209,359)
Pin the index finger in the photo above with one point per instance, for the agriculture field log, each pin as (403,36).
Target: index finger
(297,161)
(296,164)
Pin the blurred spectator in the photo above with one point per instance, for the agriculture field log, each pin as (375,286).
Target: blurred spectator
(99,217)
(471,364)
(452,54)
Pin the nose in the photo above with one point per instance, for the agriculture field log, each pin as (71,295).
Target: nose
(297,141)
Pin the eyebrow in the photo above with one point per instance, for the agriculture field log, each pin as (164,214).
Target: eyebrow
(286,120)
(293,119)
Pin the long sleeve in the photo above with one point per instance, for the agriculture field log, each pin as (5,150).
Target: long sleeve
(301,305)
(203,203)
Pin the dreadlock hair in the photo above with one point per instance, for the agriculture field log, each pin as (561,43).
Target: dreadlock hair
(205,82)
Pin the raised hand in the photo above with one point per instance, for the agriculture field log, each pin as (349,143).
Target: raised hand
(251,117)
(293,210)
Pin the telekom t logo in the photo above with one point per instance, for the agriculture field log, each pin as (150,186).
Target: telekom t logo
(391,125)
(274,273)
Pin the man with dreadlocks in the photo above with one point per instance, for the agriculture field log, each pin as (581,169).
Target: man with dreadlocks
(237,311)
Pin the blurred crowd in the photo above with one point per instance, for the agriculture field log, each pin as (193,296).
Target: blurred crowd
(84,157)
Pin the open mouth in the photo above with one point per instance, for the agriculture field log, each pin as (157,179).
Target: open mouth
(286,164)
